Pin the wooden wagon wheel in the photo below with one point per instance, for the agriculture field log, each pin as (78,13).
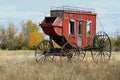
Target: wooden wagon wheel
(70,53)
(43,51)
(101,51)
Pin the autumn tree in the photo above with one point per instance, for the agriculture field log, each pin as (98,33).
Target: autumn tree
(3,38)
(31,33)
(11,36)
(35,37)
(19,41)
(25,33)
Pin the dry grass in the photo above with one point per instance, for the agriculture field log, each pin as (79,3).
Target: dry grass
(58,71)
(7,56)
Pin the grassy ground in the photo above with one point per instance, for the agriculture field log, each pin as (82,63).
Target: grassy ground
(7,56)
(57,71)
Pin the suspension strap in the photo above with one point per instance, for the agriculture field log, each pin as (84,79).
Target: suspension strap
(100,23)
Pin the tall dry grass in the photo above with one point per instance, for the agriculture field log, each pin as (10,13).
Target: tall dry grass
(11,55)
(61,71)
(58,71)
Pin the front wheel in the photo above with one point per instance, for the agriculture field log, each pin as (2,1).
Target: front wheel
(43,52)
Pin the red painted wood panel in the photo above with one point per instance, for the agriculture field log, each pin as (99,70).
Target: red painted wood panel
(60,27)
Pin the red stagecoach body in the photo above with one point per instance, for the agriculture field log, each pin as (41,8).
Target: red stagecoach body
(75,25)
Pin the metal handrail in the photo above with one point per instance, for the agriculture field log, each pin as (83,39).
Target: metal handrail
(73,9)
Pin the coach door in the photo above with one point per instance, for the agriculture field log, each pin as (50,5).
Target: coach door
(80,33)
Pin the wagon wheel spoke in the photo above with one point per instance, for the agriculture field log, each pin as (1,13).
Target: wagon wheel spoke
(44,48)
(45,59)
(49,58)
(69,52)
(101,48)
(63,55)
(107,53)
(81,54)
(42,60)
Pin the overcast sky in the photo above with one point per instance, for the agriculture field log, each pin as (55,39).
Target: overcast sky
(16,11)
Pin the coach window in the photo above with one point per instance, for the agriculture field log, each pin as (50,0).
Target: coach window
(72,28)
(88,28)
(80,29)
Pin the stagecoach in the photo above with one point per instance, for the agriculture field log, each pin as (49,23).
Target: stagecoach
(74,30)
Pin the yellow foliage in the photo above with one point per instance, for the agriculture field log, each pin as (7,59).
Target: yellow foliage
(35,38)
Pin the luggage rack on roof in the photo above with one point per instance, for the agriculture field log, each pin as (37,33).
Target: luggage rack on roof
(74,9)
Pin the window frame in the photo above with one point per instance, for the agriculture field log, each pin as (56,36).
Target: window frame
(72,28)
(88,28)
(80,26)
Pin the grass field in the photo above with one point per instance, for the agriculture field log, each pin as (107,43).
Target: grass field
(31,70)
(7,56)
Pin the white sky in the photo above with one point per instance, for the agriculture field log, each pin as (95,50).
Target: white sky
(16,11)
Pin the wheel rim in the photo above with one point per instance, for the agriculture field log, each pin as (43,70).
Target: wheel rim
(101,51)
(69,53)
(44,49)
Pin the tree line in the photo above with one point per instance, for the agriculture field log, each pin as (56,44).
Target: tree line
(30,35)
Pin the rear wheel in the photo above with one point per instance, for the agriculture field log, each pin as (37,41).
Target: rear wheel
(101,51)
(43,52)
